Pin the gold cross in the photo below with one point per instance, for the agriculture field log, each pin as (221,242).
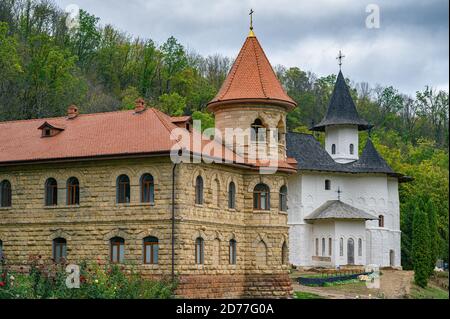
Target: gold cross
(251,18)
(340,57)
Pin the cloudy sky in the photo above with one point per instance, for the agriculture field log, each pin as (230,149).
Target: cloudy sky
(409,50)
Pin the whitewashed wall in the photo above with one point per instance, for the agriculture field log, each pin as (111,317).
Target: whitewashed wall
(342,136)
(376,194)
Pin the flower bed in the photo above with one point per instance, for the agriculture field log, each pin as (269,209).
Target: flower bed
(96,282)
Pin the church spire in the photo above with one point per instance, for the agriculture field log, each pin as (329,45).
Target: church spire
(341,109)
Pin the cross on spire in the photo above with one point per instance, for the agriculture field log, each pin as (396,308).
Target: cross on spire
(339,192)
(251,18)
(340,57)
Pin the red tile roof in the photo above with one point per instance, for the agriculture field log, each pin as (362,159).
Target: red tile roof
(122,133)
(252,79)
(88,135)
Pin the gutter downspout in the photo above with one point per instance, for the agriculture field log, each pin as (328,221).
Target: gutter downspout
(173,222)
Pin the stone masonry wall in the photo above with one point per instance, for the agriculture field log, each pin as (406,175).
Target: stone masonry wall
(28,227)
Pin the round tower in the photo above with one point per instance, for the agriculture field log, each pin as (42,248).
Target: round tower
(252,99)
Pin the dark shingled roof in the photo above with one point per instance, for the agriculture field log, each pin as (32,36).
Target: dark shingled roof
(335,209)
(342,109)
(310,155)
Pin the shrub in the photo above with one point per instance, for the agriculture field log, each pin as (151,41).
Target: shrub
(96,282)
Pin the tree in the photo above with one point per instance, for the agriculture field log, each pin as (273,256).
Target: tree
(174,59)
(421,247)
(434,235)
(172,104)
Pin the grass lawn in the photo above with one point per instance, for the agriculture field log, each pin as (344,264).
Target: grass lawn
(307,295)
(430,292)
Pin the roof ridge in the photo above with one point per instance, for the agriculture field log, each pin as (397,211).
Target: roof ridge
(65,117)
(259,67)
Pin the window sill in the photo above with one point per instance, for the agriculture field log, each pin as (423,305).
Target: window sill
(6,208)
(65,207)
(283,212)
(259,211)
(199,205)
(135,204)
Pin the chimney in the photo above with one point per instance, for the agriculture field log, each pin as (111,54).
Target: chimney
(72,112)
(139,105)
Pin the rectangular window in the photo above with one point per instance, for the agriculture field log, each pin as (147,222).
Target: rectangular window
(317,246)
(151,253)
(323,247)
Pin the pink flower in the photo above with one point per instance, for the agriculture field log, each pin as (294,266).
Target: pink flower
(2,284)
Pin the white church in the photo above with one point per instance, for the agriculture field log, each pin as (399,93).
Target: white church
(343,207)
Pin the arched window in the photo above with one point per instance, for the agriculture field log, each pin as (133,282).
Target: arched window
(117,249)
(352,149)
(151,250)
(59,250)
(123,189)
(147,189)
(284,254)
(261,253)
(317,246)
(323,246)
(216,251)
(199,190)
(73,191)
(281,132)
(283,198)
(216,192)
(341,247)
(232,249)
(381,221)
(199,251)
(51,192)
(330,246)
(261,197)
(258,133)
(327,184)
(333,149)
(5,194)
(232,196)
(360,248)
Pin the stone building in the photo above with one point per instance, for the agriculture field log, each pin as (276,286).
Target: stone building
(104,187)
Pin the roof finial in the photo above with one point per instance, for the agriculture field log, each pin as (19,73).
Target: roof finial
(251,34)
(339,192)
(340,57)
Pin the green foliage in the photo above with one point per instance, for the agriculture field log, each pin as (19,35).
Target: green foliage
(172,104)
(421,247)
(96,282)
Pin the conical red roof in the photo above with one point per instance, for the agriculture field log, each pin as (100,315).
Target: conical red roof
(252,80)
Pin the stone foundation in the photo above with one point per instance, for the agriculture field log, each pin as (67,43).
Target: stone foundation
(234,286)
